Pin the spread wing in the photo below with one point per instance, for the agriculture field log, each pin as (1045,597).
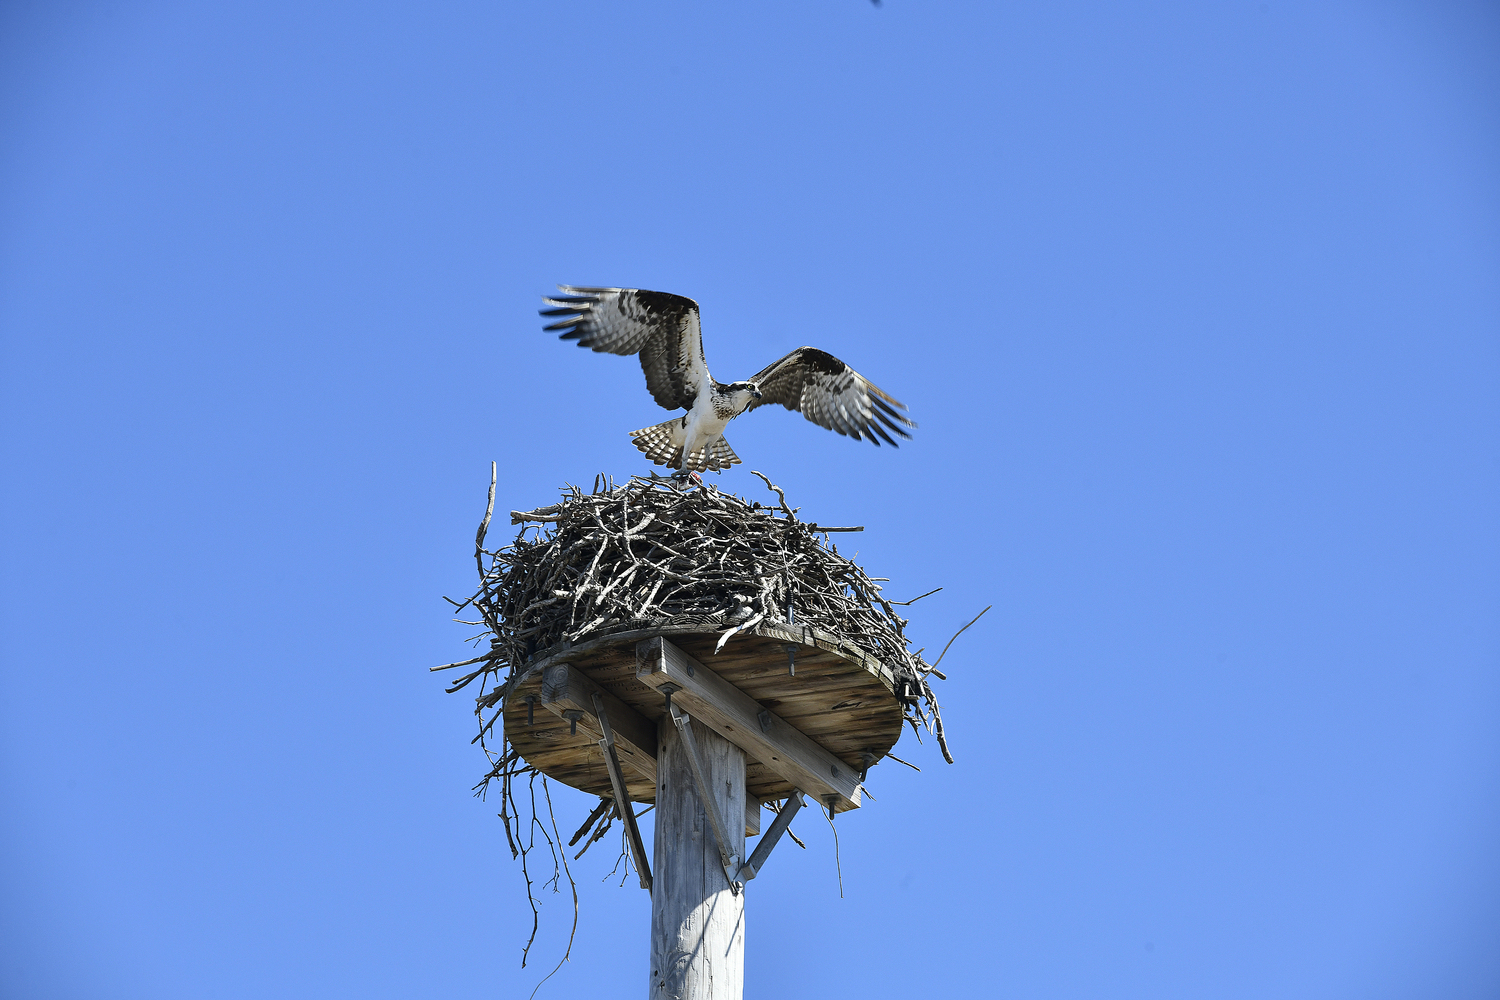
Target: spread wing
(832,395)
(660,327)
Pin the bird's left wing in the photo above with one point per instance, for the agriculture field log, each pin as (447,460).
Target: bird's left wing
(832,395)
(659,326)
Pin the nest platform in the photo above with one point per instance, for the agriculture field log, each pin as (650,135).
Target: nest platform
(594,586)
(844,700)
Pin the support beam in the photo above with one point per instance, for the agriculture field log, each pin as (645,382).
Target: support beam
(565,689)
(727,856)
(762,851)
(740,719)
(622,794)
(697,916)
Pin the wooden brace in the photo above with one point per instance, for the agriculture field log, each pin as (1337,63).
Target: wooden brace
(683,722)
(622,796)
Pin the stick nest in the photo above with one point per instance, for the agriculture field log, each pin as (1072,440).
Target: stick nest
(657,551)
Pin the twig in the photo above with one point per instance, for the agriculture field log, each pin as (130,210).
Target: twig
(463,663)
(598,811)
(776,807)
(777,490)
(898,760)
(526,872)
(914,600)
(484,526)
(838,865)
(956,635)
(572,933)
(517,517)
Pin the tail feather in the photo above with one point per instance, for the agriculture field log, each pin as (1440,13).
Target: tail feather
(663,443)
(716,456)
(723,454)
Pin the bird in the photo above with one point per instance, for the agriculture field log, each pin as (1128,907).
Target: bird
(664,330)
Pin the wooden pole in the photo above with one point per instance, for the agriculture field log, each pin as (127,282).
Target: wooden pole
(697,919)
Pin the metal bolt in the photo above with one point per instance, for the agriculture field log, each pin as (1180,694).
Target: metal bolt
(791,649)
(669,689)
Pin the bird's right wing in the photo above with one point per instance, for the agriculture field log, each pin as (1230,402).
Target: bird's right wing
(662,328)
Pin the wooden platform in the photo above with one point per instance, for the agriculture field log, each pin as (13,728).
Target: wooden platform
(841,698)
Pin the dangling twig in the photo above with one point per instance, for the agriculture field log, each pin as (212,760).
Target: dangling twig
(957,634)
(572,933)
(914,600)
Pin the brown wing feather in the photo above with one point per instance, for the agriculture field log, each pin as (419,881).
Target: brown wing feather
(832,395)
(662,328)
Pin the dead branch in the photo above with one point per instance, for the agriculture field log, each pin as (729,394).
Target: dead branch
(914,600)
(956,635)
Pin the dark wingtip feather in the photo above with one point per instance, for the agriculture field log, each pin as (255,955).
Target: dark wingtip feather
(898,430)
(881,404)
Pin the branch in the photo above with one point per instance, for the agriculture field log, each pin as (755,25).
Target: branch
(956,635)
(777,490)
(484,526)
(914,600)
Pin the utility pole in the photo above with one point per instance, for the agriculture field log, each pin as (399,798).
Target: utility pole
(697,912)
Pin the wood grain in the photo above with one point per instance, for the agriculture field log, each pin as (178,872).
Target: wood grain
(697,918)
(734,715)
(842,699)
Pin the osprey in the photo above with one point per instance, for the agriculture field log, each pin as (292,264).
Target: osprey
(663,329)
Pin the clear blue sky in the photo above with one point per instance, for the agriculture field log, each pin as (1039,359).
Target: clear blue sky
(1196,304)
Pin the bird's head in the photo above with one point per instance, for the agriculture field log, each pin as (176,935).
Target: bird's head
(743,394)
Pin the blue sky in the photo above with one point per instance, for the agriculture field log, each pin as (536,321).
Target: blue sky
(1196,306)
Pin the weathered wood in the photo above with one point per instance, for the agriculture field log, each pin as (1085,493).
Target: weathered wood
(565,688)
(697,917)
(727,855)
(842,699)
(622,797)
(779,825)
(742,720)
